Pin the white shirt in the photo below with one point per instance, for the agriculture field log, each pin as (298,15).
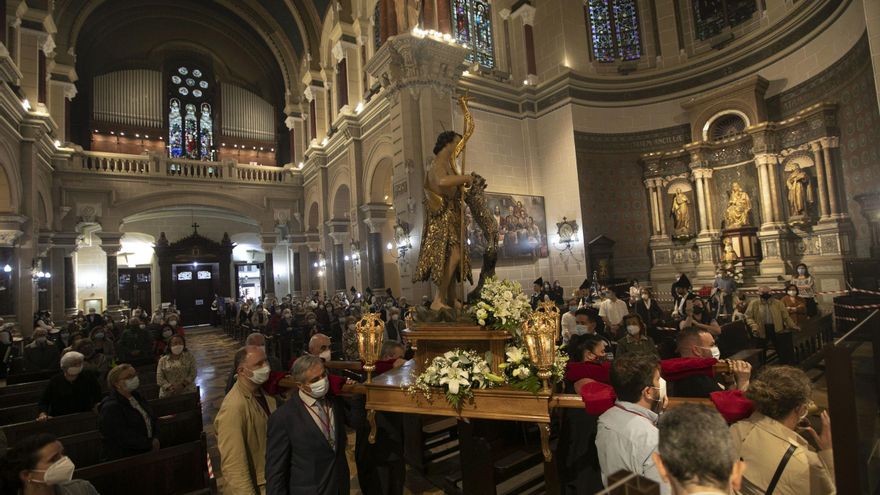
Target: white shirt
(626,437)
(613,311)
(568,324)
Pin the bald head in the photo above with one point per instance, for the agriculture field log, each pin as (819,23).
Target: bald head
(255,339)
(319,343)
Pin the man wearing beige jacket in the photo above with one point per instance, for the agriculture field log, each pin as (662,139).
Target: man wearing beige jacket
(242,422)
(768,317)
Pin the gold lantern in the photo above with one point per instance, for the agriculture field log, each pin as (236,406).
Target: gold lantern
(370,332)
(539,333)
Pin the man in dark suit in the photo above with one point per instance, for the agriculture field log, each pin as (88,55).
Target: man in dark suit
(306,444)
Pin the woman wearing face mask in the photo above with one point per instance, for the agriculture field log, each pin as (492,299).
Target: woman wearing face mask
(37,466)
(176,371)
(394,327)
(648,309)
(71,391)
(771,441)
(699,316)
(171,328)
(103,342)
(349,340)
(796,305)
(636,339)
(806,286)
(125,420)
(94,360)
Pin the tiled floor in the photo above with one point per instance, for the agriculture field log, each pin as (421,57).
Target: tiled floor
(214,352)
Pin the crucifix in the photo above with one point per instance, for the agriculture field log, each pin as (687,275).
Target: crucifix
(195,227)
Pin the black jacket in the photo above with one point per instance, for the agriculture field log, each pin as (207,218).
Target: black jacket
(299,460)
(122,427)
(649,316)
(62,397)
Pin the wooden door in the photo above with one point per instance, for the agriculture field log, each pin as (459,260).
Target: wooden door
(194,289)
(135,286)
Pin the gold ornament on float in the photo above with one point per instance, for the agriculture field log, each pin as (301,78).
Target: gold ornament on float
(539,334)
(370,331)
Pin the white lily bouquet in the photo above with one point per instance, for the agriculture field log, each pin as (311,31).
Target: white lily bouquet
(519,372)
(502,306)
(458,373)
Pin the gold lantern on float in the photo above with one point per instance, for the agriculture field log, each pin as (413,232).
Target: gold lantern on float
(370,331)
(539,334)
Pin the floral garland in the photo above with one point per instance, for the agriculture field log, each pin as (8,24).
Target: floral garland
(519,372)
(502,305)
(458,372)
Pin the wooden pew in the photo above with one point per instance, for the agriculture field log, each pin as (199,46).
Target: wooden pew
(735,337)
(176,470)
(28,393)
(804,347)
(427,439)
(62,426)
(25,412)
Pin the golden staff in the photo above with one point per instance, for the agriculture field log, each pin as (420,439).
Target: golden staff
(460,151)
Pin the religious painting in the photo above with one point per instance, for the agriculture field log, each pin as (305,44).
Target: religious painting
(522,229)
(96,304)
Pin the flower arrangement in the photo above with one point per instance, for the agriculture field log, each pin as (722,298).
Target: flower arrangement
(458,373)
(519,372)
(502,305)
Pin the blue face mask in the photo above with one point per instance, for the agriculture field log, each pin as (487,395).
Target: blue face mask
(572,308)
(580,330)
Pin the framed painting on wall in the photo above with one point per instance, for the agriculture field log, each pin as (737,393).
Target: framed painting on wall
(522,229)
(97,304)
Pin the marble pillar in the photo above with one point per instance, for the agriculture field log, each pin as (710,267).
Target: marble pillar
(819,165)
(7,278)
(831,181)
(110,244)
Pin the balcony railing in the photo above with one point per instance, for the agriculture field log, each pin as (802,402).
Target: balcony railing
(154,165)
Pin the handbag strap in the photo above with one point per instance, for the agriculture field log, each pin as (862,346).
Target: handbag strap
(779,469)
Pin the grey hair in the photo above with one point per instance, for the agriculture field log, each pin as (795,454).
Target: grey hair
(250,338)
(696,446)
(115,372)
(71,358)
(302,365)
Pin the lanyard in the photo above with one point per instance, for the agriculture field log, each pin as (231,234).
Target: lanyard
(325,425)
(636,414)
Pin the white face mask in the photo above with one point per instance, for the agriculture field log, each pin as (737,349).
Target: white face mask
(176,349)
(792,293)
(172,323)
(395,317)
(60,471)
(142,327)
(580,330)
(132,384)
(319,388)
(260,375)
(633,329)
(325,355)
(716,353)
(801,271)
(74,370)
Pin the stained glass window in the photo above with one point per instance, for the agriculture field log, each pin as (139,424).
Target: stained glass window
(190,118)
(206,137)
(614,30)
(472,25)
(175,130)
(712,16)
(191,132)
(377,26)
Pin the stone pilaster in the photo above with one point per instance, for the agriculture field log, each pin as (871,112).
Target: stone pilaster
(375,218)
(63,282)
(110,244)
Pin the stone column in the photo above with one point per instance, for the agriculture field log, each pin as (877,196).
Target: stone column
(833,194)
(707,190)
(764,186)
(419,75)
(661,205)
(526,12)
(63,283)
(110,243)
(701,200)
(339,238)
(819,165)
(772,164)
(375,262)
(652,198)
(305,269)
(7,278)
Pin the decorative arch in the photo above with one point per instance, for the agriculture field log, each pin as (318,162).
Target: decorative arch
(381,149)
(157,200)
(712,113)
(380,187)
(341,202)
(314,219)
(13,180)
(722,117)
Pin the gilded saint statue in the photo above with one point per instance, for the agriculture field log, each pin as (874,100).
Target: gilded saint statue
(799,192)
(681,214)
(738,207)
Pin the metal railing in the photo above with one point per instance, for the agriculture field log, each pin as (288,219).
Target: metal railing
(154,165)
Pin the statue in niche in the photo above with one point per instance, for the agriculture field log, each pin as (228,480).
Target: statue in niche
(799,191)
(729,257)
(681,214)
(738,207)
(407,13)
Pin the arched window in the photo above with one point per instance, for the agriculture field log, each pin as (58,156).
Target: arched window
(472,25)
(712,16)
(190,119)
(614,29)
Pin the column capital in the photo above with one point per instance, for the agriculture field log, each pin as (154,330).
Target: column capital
(292,119)
(526,12)
(421,60)
(702,173)
(504,13)
(338,238)
(766,159)
(66,242)
(110,242)
(829,142)
(10,229)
